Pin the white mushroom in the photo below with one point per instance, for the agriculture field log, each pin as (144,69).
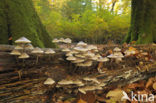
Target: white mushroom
(15,52)
(37,51)
(116,49)
(18,47)
(22,40)
(55,40)
(29,46)
(50,51)
(80,49)
(49,81)
(65,82)
(23,56)
(71,58)
(66,50)
(81,43)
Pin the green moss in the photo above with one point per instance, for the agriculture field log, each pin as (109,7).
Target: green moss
(24,21)
(143,22)
(3,25)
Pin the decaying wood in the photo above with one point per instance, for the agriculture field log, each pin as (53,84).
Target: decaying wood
(25,83)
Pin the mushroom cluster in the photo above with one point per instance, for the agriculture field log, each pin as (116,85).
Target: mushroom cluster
(67,41)
(23,44)
(117,55)
(83,54)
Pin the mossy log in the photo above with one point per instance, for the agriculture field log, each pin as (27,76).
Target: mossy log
(18,18)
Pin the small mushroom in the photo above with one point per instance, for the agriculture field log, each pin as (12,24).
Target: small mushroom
(49,81)
(65,82)
(23,56)
(66,50)
(18,47)
(29,46)
(22,40)
(15,52)
(81,43)
(55,40)
(50,52)
(38,52)
(71,58)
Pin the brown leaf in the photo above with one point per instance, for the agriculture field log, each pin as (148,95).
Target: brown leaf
(149,83)
(81,101)
(154,86)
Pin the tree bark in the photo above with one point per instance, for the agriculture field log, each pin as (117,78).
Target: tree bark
(23,20)
(143,22)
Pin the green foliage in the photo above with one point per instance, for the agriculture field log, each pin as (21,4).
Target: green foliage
(80,20)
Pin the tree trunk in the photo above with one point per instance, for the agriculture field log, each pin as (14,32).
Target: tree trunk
(23,20)
(143,22)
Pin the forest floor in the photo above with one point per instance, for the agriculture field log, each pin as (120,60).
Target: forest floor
(24,83)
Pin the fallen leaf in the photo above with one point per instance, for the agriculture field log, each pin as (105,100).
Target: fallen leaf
(81,101)
(149,83)
(154,86)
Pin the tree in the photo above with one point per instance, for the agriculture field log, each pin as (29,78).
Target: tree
(143,22)
(19,18)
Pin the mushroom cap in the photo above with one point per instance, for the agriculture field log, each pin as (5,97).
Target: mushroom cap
(66,50)
(82,90)
(91,79)
(22,40)
(78,60)
(65,82)
(61,40)
(81,43)
(80,49)
(129,52)
(91,47)
(98,56)
(29,46)
(37,50)
(112,56)
(15,52)
(55,40)
(23,56)
(103,59)
(80,56)
(18,47)
(89,54)
(49,81)
(67,40)
(69,54)
(50,51)
(71,58)
(78,82)
(116,49)
(119,55)
(74,52)
(85,64)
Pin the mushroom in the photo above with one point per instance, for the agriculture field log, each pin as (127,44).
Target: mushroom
(91,79)
(50,52)
(81,49)
(22,40)
(23,56)
(81,43)
(66,50)
(37,51)
(67,41)
(55,40)
(18,47)
(71,58)
(29,46)
(101,60)
(65,82)
(116,49)
(49,81)
(15,52)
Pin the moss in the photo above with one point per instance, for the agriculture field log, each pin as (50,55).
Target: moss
(143,22)
(24,21)
(3,25)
